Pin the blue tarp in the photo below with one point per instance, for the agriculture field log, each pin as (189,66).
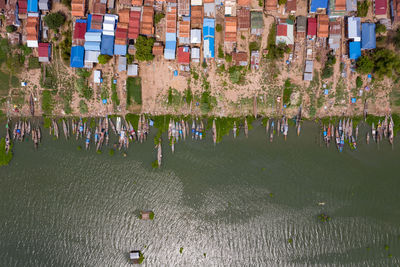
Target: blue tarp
(33,6)
(92,46)
(368,38)
(208,37)
(77,56)
(107,45)
(316,4)
(120,50)
(89,25)
(170,46)
(354,50)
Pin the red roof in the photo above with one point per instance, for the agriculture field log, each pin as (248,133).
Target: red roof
(281,30)
(312,27)
(134,24)
(121,33)
(44,49)
(80,30)
(380,7)
(183,55)
(22,4)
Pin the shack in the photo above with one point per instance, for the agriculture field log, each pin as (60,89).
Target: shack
(284,32)
(133,70)
(257,23)
(97,76)
(368,38)
(44,52)
(77,57)
(195,36)
(243,15)
(323,26)
(354,50)
(312,27)
(208,38)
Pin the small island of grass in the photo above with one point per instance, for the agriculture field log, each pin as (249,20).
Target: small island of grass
(324,217)
(146,215)
(5,157)
(181,250)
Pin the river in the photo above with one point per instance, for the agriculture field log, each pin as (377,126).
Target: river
(243,202)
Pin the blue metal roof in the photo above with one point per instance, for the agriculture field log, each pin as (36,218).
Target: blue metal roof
(355,50)
(170,46)
(368,37)
(33,6)
(120,50)
(208,37)
(77,56)
(316,4)
(93,36)
(92,46)
(107,45)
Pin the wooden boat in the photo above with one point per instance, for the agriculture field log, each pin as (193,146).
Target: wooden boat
(8,141)
(39,134)
(87,142)
(214,132)
(246,128)
(113,126)
(187,128)
(267,127)
(285,128)
(201,130)
(367,138)
(193,129)
(159,153)
(278,128)
(135,256)
(32,105)
(373,132)
(271,137)
(298,129)
(234,129)
(197,133)
(390,131)
(356,132)
(255,106)
(65,129)
(118,125)
(183,124)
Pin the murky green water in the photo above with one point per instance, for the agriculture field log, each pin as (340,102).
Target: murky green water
(64,207)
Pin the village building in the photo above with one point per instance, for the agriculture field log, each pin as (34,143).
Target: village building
(44,5)
(133,70)
(137,3)
(97,76)
(271,5)
(134,23)
(243,15)
(22,9)
(124,3)
(121,64)
(395,10)
(351,6)
(184,31)
(170,34)
(323,26)
(95,23)
(230,8)
(380,8)
(354,50)
(78,8)
(368,37)
(285,32)
(195,54)
(301,24)
(99,7)
(158,49)
(230,33)
(77,57)
(257,23)
(121,37)
(146,25)
(32,30)
(337,8)
(311,27)
(209,8)
(208,38)
(196,18)
(33,6)
(318,6)
(2,5)
(244,3)
(78,38)
(308,71)
(107,38)
(354,28)
(196,2)
(91,57)
(149,3)
(240,58)
(255,60)
(195,36)
(184,58)
(183,8)
(44,52)
(335,34)
(291,6)
(110,4)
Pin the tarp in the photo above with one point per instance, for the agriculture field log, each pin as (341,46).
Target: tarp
(77,56)
(107,45)
(368,38)
(120,50)
(318,4)
(354,50)
(208,37)
(92,46)
(33,6)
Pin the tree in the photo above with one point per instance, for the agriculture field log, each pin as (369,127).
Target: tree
(54,20)
(218,28)
(359,82)
(365,64)
(158,17)
(362,8)
(144,48)
(103,59)
(386,61)
(380,28)
(396,39)
(282,2)
(11,28)
(254,46)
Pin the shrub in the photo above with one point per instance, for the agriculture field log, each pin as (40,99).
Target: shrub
(327,72)
(5,158)
(380,28)
(54,20)
(11,28)
(103,59)
(218,28)
(129,59)
(365,64)
(33,63)
(158,17)
(47,102)
(83,107)
(220,52)
(359,82)
(228,58)
(235,74)
(144,48)
(362,8)
(254,46)
(282,2)
(287,92)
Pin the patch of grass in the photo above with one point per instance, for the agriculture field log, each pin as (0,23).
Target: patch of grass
(134,90)
(47,102)
(287,92)
(33,63)
(50,81)
(236,74)
(114,95)
(188,95)
(254,46)
(220,52)
(133,119)
(5,158)
(83,107)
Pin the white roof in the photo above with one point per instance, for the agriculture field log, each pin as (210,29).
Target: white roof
(354,28)
(110,17)
(309,66)
(195,53)
(195,36)
(92,56)
(32,43)
(122,64)
(209,10)
(93,36)
(97,76)
(307,76)
(196,2)
(132,70)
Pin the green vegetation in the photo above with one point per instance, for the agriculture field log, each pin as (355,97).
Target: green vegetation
(54,20)
(237,74)
(359,82)
(282,2)
(157,17)
(327,71)
(83,108)
(383,62)
(275,51)
(228,58)
(224,125)
(33,63)
(365,64)
(381,41)
(114,95)
(181,250)
(49,78)
(47,102)
(5,158)
(11,28)
(141,258)
(194,74)
(287,92)
(396,39)
(151,215)
(290,240)
(81,84)
(380,28)
(129,59)
(205,102)
(254,46)
(67,3)
(79,148)
(104,59)
(66,45)
(220,52)
(362,8)
(324,218)
(144,48)
(188,95)
(218,28)
(134,90)
(133,119)
(204,64)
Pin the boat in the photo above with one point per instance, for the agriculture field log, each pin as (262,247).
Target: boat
(246,128)
(201,130)
(193,129)
(353,143)
(159,153)
(234,129)
(8,141)
(214,132)
(285,128)
(87,140)
(271,137)
(298,129)
(267,127)
(32,105)
(135,256)
(367,138)
(65,129)
(118,125)
(373,132)
(278,128)
(183,125)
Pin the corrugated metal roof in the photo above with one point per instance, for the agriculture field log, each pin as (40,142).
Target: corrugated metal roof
(318,4)
(257,21)
(133,70)
(184,55)
(158,49)
(281,30)
(80,30)
(309,66)
(351,5)
(230,29)
(93,36)
(208,38)
(92,46)
(184,8)
(301,22)
(291,6)
(33,6)
(354,28)
(196,16)
(271,5)
(107,45)
(354,50)
(368,38)
(146,25)
(323,26)
(312,27)
(195,53)
(92,56)
(240,58)
(120,49)
(195,36)
(209,10)
(44,50)
(77,56)
(122,64)
(243,15)
(44,5)
(134,25)
(124,15)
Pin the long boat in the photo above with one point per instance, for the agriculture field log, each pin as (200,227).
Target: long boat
(159,153)
(32,105)
(246,128)
(214,130)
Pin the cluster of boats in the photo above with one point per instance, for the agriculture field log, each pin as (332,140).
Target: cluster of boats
(282,127)
(179,130)
(21,130)
(383,130)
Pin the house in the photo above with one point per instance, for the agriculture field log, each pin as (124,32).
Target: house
(44,52)
(291,6)
(32,30)
(184,30)
(133,70)
(14,38)
(121,64)
(230,8)
(137,3)
(230,33)
(184,55)
(97,76)
(91,57)
(196,2)
(22,8)
(109,23)
(125,2)
(301,24)
(170,46)
(146,25)
(368,37)
(2,5)
(285,32)
(255,60)
(195,55)
(195,36)
(243,15)
(110,4)
(121,37)
(318,6)
(351,6)
(308,72)
(244,3)
(79,32)
(271,5)
(196,18)
(209,8)
(33,6)
(337,8)
(354,28)
(171,17)
(77,57)
(396,10)
(380,8)
(134,24)
(107,39)
(183,8)
(170,33)
(323,26)
(312,27)
(240,58)
(78,8)
(149,3)
(158,49)
(354,50)
(257,23)
(95,23)
(44,5)
(123,15)
(11,13)
(335,34)
(209,38)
